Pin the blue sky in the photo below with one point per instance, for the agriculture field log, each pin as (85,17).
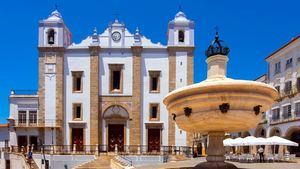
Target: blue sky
(252,29)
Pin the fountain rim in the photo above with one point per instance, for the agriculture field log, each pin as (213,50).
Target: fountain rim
(217,83)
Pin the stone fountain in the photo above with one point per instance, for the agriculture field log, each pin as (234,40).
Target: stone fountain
(218,105)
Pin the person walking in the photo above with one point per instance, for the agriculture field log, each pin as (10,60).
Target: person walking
(29,158)
(261,154)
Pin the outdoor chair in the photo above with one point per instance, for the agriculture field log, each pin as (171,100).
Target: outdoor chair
(243,158)
(289,157)
(277,158)
(270,158)
(227,157)
(249,158)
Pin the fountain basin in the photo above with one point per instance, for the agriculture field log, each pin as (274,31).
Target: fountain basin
(205,98)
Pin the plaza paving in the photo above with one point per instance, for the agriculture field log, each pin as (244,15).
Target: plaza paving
(190,163)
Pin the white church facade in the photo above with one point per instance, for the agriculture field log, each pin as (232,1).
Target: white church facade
(106,90)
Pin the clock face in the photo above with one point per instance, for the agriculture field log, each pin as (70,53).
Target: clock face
(116,36)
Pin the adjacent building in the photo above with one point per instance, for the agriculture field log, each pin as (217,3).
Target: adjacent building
(106,90)
(284,74)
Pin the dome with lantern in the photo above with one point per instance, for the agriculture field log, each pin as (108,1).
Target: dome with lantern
(181,20)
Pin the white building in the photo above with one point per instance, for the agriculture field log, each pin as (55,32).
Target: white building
(106,90)
(284,74)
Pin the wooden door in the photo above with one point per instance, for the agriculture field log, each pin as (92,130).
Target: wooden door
(154,140)
(22,141)
(77,138)
(7,164)
(33,141)
(115,136)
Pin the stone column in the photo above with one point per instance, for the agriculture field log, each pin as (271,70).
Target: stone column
(96,150)
(135,124)
(215,153)
(217,66)
(116,149)
(74,148)
(94,95)
(215,150)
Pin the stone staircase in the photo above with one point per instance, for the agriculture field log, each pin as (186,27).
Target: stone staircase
(31,165)
(101,162)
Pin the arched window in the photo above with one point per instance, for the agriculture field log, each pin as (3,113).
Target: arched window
(51,37)
(181,36)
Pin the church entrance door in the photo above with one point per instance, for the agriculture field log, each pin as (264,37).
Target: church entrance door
(115,136)
(22,141)
(77,138)
(153,140)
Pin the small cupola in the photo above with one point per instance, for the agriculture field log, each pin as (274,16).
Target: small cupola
(55,16)
(180,19)
(217,47)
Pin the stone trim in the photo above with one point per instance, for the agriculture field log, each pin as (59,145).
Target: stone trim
(60,97)
(41,95)
(157,114)
(172,86)
(135,124)
(95,117)
(190,80)
(110,101)
(105,103)
(51,49)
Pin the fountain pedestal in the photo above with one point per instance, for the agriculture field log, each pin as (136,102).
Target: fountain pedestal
(215,153)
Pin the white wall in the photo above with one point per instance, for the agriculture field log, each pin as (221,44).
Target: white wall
(79,61)
(155,61)
(50,99)
(24,104)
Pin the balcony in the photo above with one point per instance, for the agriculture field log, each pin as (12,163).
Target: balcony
(297,114)
(44,123)
(23,94)
(288,93)
(288,65)
(285,119)
(277,71)
(287,116)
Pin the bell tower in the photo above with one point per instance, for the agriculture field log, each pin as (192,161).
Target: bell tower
(53,32)
(53,37)
(181,31)
(181,68)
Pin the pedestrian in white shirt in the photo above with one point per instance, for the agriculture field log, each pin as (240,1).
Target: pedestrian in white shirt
(261,154)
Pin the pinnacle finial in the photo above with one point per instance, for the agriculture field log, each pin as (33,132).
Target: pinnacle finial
(116,14)
(56,6)
(95,31)
(217,33)
(137,30)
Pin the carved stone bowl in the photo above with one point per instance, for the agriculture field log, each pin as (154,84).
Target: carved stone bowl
(220,104)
